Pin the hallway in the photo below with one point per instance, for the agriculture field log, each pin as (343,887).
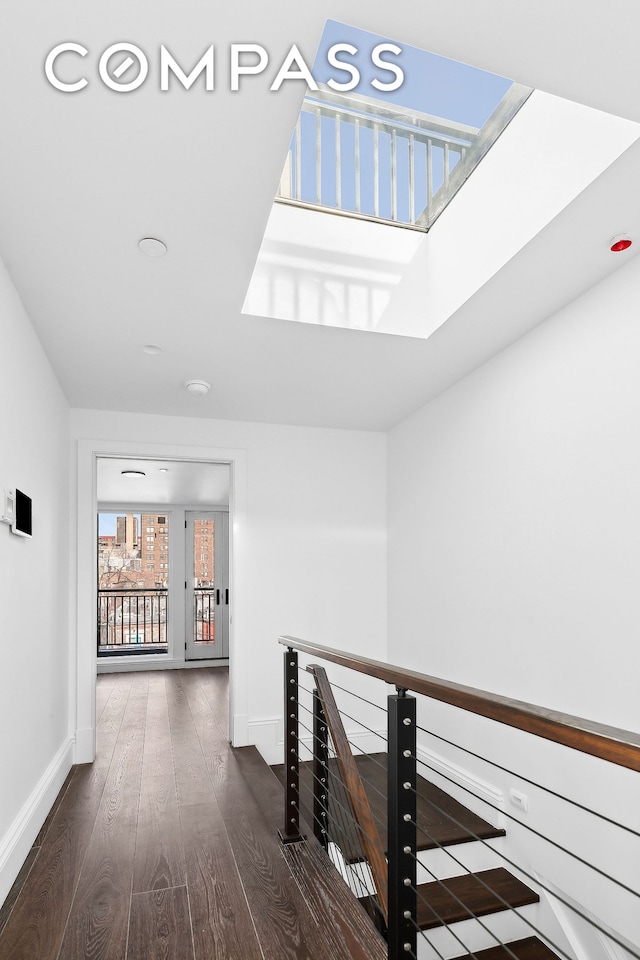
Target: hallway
(166,847)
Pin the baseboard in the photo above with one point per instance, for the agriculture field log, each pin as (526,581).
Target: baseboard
(472,787)
(124,665)
(240,730)
(18,840)
(85,745)
(267,735)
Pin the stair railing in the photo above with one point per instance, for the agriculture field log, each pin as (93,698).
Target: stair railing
(392,829)
(358,801)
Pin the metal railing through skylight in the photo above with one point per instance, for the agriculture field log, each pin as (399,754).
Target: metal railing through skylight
(387,160)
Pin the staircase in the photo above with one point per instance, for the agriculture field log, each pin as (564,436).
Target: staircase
(451,892)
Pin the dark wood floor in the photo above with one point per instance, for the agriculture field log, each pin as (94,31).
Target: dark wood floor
(165,848)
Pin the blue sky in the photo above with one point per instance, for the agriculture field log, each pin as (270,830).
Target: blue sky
(432,84)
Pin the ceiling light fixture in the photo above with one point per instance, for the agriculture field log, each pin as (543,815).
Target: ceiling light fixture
(152,349)
(152,247)
(198,388)
(618,244)
(163,469)
(132,473)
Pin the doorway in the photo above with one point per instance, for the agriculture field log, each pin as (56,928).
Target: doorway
(92,453)
(163,544)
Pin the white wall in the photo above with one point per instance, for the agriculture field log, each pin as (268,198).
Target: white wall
(514,558)
(514,516)
(35,750)
(309,554)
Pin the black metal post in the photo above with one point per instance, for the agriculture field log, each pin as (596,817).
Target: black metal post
(320,774)
(291,832)
(401,786)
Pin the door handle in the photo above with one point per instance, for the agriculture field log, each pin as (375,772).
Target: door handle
(217,598)
(226,596)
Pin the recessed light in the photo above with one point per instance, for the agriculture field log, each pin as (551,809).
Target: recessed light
(152,247)
(618,244)
(198,388)
(163,469)
(132,473)
(152,349)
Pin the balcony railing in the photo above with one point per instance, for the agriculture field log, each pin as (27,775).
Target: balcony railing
(204,606)
(132,621)
(358,156)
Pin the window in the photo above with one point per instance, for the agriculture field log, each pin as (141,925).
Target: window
(162,519)
(150,529)
(150,539)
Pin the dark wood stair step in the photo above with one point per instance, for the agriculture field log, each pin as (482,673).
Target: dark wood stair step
(529,949)
(481,893)
(442,820)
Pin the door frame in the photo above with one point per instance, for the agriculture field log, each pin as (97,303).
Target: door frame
(83,630)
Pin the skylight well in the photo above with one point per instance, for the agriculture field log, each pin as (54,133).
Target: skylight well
(363,162)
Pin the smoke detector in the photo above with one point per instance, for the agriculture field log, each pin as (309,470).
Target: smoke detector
(198,388)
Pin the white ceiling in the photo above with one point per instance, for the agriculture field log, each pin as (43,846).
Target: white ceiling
(83,177)
(165,481)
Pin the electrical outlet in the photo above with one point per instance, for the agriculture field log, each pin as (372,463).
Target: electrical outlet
(519,800)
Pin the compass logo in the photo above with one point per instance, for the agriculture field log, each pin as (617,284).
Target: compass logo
(124,67)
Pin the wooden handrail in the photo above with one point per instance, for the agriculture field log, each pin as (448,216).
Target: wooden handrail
(372,845)
(621,747)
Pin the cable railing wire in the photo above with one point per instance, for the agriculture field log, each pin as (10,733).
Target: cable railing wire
(349,827)
(338,778)
(371,785)
(510,816)
(499,897)
(337,686)
(445,925)
(524,779)
(534,880)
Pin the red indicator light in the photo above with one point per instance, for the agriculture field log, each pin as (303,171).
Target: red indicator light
(621,243)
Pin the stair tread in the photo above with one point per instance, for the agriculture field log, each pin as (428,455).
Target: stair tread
(470,895)
(529,949)
(442,821)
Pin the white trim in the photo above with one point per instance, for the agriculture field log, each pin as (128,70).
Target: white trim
(240,729)
(481,789)
(576,924)
(131,664)
(19,838)
(268,736)
(85,745)
(361,742)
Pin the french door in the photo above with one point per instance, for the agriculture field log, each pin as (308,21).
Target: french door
(207,585)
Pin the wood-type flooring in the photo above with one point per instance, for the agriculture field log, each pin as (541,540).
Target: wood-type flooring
(166,847)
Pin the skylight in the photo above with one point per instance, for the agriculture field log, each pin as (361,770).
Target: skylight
(351,269)
(396,156)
